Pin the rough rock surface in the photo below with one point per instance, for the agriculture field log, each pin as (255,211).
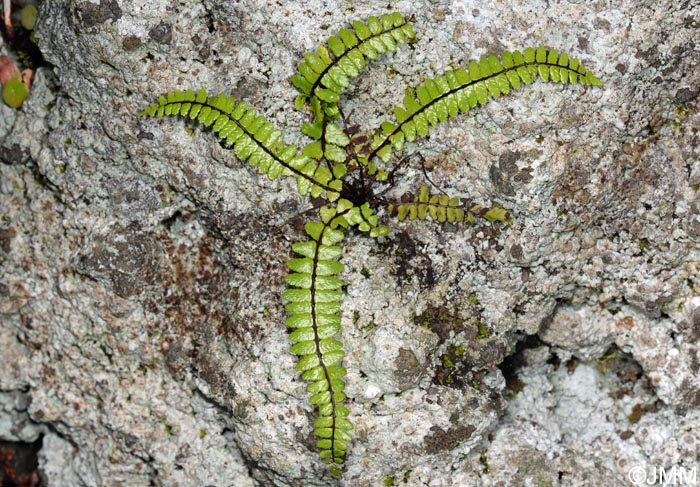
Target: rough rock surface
(141,328)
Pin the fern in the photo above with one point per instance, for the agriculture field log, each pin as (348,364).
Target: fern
(442,208)
(250,135)
(457,91)
(314,303)
(326,74)
(340,167)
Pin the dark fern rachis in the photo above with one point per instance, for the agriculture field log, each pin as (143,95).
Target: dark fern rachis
(352,174)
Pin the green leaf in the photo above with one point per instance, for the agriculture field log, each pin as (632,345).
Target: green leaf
(320,398)
(388,128)
(313,150)
(333,357)
(307,362)
(323,319)
(298,279)
(303,348)
(375,26)
(337,46)
(327,296)
(361,29)
(385,153)
(325,252)
(474,70)
(324,422)
(324,432)
(421,125)
(329,345)
(410,103)
(331,236)
(324,55)
(340,410)
(315,62)
(317,386)
(307,249)
(400,114)
(336,136)
(314,229)
(529,55)
(313,130)
(507,58)
(327,282)
(342,435)
(299,320)
(339,170)
(328,267)
(423,95)
(369,51)
(327,331)
(348,37)
(314,374)
(334,153)
(325,444)
(322,175)
(327,95)
(327,213)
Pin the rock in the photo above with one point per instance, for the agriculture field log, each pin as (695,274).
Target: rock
(142,263)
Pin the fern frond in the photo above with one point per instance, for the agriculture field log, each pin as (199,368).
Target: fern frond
(326,74)
(314,304)
(252,137)
(457,91)
(442,208)
(346,215)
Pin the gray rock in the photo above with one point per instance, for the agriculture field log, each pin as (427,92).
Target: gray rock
(141,326)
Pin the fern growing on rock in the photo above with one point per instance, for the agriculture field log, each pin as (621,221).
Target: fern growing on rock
(345,170)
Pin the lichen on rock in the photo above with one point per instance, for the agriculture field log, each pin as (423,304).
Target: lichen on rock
(142,330)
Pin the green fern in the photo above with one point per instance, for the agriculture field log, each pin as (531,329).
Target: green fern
(457,91)
(314,303)
(323,76)
(442,208)
(340,167)
(326,74)
(251,136)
